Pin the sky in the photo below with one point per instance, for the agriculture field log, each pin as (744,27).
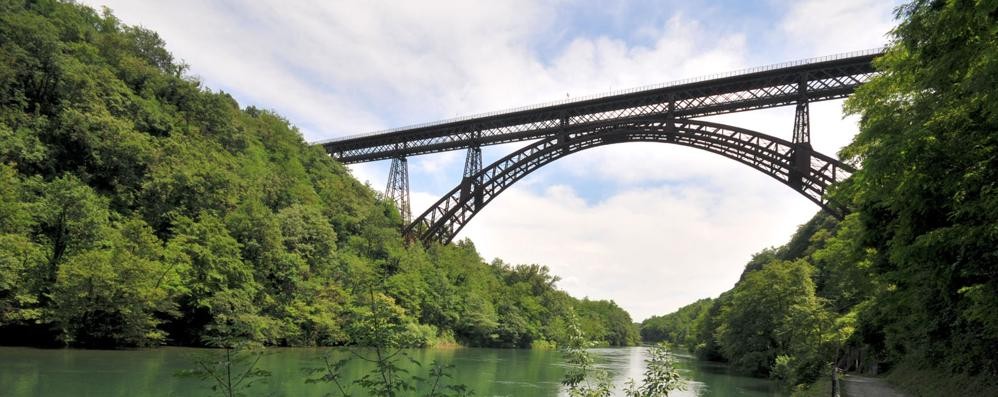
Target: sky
(653,227)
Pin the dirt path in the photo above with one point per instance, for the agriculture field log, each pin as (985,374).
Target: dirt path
(861,386)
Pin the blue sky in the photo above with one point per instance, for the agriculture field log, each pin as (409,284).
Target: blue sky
(651,226)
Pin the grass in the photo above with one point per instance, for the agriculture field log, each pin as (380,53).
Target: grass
(919,382)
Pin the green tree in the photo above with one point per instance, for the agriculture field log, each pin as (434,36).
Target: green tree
(772,311)
(926,189)
(219,286)
(72,219)
(115,295)
(21,259)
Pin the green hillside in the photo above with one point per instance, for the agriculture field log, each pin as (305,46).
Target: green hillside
(139,208)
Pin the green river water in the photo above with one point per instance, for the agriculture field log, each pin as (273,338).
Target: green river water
(489,372)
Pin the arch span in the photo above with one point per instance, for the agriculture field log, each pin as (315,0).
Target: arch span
(797,166)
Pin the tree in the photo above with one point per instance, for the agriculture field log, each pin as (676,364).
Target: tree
(219,287)
(22,261)
(116,295)
(926,189)
(772,311)
(72,219)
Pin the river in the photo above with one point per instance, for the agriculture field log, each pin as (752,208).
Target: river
(489,372)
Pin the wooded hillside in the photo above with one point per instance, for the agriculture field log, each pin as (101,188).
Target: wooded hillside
(138,207)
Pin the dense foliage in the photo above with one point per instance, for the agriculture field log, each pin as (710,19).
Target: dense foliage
(909,278)
(677,327)
(139,208)
(780,319)
(928,191)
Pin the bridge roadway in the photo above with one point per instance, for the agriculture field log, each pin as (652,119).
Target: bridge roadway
(811,80)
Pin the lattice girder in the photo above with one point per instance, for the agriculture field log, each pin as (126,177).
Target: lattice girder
(770,155)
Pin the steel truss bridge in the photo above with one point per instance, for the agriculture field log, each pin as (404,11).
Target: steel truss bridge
(665,114)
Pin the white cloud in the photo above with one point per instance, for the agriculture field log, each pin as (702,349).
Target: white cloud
(829,27)
(668,224)
(646,248)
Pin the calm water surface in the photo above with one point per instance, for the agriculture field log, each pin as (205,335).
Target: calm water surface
(489,372)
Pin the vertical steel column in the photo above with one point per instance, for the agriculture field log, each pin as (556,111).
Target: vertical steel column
(800,159)
(670,120)
(398,188)
(471,185)
(563,137)
(473,162)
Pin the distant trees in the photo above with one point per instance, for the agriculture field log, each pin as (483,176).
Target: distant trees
(677,328)
(778,321)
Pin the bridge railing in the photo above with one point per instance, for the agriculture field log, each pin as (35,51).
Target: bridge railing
(740,72)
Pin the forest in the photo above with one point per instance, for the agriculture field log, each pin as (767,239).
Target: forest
(139,208)
(907,282)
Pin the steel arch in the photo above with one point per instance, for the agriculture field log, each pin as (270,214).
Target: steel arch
(771,155)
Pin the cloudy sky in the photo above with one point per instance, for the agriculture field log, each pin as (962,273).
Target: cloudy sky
(651,226)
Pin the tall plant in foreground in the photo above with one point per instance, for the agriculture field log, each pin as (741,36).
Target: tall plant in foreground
(584,379)
(660,377)
(231,371)
(381,327)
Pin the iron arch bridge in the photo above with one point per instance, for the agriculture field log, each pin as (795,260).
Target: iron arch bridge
(663,114)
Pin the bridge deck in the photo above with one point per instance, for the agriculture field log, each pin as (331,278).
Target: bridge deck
(780,85)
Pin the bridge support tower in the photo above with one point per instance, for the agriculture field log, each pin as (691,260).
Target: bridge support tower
(471,185)
(398,188)
(800,159)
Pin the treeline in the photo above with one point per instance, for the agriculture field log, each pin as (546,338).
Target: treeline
(138,208)
(908,279)
(793,309)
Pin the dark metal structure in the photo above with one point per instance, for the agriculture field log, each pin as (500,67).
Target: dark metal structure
(773,156)
(660,114)
(398,187)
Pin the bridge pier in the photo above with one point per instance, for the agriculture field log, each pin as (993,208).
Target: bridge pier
(470,184)
(800,159)
(398,188)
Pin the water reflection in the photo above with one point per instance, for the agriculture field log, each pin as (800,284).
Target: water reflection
(489,372)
